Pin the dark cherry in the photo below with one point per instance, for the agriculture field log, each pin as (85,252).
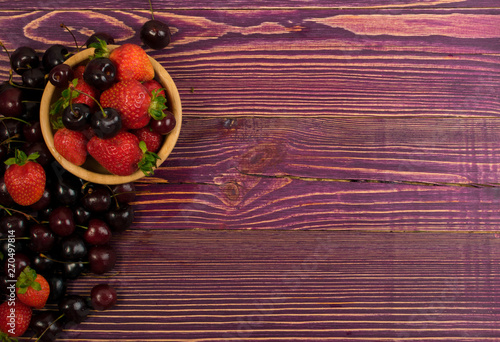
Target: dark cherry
(23,59)
(107,123)
(61,221)
(10,128)
(34,78)
(76,117)
(97,199)
(19,246)
(101,259)
(72,270)
(54,55)
(33,132)
(16,223)
(102,36)
(58,287)
(42,239)
(30,111)
(11,102)
(5,198)
(43,265)
(60,75)
(121,218)
(67,189)
(155,34)
(103,297)
(124,193)
(21,260)
(74,308)
(97,233)
(45,157)
(44,202)
(100,73)
(4,150)
(165,125)
(46,325)
(82,215)
(73,248)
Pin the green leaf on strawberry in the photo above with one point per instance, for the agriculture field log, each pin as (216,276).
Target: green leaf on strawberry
(157,105)
(66,96)
(148,161)
(20,158)
(27,279)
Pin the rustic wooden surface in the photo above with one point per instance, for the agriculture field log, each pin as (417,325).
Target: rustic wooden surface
(336,177)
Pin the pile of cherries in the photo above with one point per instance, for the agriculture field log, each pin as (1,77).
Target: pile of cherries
(68,232)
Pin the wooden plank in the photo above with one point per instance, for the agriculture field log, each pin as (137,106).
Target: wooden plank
(160,5)
(297,286)
(434,151)
(239,64)
(290,204)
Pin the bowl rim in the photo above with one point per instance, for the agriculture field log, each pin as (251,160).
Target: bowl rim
(110,179)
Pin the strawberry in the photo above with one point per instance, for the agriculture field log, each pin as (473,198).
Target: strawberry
(135,105)
(32,289)
(131,61)
(78,71)
(86,89)
(24,178)
(15,317)
(72,145)
(153,85)
(152,139)
(77,92)
(123,154)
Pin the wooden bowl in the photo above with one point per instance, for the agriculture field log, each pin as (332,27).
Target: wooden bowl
(91,171)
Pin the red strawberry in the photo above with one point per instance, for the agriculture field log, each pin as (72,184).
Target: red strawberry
(15,317)
(78,71)
(32,289)
(84,87)
(153,85)
(123,154)
(152,139)
(77,92)
(72,145)
(131,61)
(24,178)
(135,105)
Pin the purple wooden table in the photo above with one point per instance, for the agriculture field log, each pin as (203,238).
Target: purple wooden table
(336,177)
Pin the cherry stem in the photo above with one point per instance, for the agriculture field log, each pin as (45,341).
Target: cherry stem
(72,88)
(61,262)
(8,210)
(47,329)
(151,9)
(74,38)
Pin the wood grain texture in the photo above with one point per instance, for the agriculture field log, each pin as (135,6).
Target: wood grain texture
(299,286)
(160,5)
(318,138)
(305,63)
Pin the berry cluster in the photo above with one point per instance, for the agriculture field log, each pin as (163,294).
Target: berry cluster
(112,109)
(54,226)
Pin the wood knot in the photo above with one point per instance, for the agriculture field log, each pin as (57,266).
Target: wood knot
(262,157)
(231,190)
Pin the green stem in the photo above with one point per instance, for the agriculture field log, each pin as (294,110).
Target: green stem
(151,9)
